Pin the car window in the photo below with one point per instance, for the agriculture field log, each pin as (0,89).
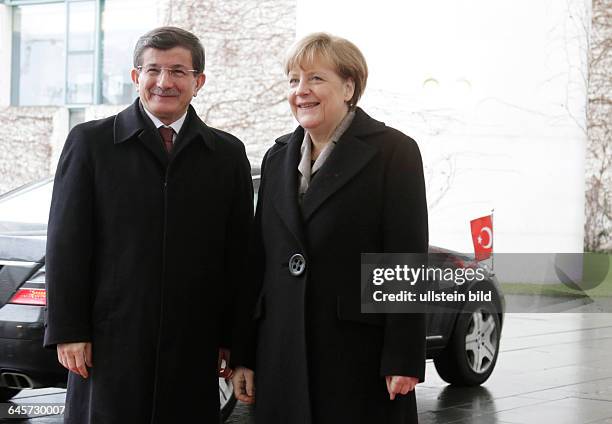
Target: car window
(29,204)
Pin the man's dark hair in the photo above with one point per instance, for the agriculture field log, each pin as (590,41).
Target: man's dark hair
(166,38)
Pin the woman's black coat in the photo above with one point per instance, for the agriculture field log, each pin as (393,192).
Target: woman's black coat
(143,251)
(318,359)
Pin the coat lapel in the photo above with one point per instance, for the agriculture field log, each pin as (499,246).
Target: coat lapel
(151,139)
(133,122)
(349,156)
(192,129)
(284,163)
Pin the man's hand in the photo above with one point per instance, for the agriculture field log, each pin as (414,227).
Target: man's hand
(76,357)
(244,385)
(222,368)
(399,385)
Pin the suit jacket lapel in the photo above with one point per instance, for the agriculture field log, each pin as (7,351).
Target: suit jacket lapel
(284,163)
(348,157)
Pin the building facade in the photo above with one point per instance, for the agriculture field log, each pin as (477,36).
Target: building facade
(509,101)
(69,61)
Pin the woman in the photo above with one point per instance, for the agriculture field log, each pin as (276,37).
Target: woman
(341,184)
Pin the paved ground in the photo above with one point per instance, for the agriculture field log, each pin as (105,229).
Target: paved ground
(553,368)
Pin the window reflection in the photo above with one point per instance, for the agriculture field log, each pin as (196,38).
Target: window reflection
(80,78)
(120,31)
(81,25)
(52,55)
(81,52)
(40,31)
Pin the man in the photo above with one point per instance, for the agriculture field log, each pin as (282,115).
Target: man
(147,235)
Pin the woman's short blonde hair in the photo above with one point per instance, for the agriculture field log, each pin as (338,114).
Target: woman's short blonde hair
(343,55)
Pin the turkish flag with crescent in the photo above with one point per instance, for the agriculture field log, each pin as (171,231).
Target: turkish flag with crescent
(482,236)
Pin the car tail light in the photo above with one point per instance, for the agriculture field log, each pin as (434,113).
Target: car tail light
(32,292)
(30,297)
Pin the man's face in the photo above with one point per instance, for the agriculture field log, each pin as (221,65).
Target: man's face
(167,94)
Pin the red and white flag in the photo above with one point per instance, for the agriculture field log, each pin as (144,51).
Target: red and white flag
(482,236)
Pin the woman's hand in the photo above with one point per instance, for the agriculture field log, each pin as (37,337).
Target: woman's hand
(399,385)
(243,380)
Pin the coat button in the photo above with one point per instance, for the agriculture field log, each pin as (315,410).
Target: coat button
(297,265)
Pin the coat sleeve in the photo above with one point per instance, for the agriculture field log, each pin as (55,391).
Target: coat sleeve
(405,230)
(238,234)
(245,326)
(70,248)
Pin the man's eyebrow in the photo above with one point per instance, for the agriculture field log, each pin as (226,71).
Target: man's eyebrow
(175,66)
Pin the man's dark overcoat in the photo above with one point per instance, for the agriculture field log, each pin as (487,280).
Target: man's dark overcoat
(318,359)
(143,250)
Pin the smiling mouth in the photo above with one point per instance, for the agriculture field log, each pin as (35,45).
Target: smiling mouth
(307,105)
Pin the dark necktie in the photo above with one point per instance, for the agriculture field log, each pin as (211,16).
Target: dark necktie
(166,135)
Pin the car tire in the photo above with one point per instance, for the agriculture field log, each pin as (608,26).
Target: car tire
(471,354)
(7,393)
(227,400)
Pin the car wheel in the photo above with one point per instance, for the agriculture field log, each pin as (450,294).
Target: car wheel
(226,398)
(6,393)
(470,356)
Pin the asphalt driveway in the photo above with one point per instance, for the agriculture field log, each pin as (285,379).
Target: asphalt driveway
(552,368)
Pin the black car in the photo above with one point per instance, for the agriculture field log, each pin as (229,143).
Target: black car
(25,364)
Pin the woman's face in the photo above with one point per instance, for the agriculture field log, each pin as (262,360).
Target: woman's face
(318,96)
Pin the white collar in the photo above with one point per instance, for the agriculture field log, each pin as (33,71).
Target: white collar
(176,125)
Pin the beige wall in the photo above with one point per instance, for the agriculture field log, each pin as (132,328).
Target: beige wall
(598,210)
(25,137)
(245,88)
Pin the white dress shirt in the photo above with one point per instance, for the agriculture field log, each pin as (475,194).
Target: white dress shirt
(176,125)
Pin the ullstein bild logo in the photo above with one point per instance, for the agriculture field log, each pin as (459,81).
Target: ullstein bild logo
(431,296)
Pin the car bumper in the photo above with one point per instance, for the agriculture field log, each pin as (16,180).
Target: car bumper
(21,348)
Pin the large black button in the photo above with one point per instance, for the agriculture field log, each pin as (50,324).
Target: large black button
(297,265)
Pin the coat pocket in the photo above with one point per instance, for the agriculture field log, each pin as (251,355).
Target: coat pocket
(350,310)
